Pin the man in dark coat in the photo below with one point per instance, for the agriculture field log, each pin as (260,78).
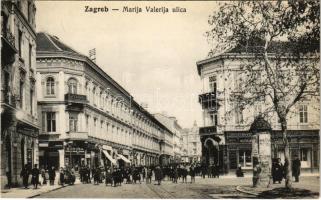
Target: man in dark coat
(296,165)
(158,175)
(52,175)
(277,171)
(62,176)
(35,176)
(25,176)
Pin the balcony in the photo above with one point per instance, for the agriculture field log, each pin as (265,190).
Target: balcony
(208,100)
(208,130)
(8,49)
(77,135)
(75,98)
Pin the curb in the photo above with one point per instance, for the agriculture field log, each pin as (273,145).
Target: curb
(238,188)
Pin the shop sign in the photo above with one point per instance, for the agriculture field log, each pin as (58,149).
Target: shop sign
(87,155)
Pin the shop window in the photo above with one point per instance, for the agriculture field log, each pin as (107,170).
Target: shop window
(50,86)
(51,121)
(73,122)
(245,159)
(72,86)
(303,113)
(304,154)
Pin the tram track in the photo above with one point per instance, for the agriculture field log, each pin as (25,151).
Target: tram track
(160,191)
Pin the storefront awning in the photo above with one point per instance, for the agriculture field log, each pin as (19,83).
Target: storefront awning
(123,158)
(109,157)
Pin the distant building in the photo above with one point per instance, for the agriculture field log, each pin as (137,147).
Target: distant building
(19,119)
(172,124)
(192,146)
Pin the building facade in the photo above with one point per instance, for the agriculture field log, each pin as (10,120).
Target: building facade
(19,119)
(87,118)
(172,124)
(192,146)
(225,136)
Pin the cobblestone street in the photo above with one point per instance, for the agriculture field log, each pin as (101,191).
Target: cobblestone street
(224,187)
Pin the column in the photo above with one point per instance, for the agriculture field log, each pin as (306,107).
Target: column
(61,157)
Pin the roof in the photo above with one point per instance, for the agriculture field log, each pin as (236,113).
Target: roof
(257,46)
(49,43)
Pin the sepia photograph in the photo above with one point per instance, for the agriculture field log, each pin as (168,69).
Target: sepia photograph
(160,99)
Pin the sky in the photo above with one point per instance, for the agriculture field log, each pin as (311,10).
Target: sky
(152,55)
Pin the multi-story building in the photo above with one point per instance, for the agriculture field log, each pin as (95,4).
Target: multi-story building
(172,124)
(86,116)
(192,146)
(19,121)
(225,136)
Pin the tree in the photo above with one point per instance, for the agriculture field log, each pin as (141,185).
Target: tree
(281,40)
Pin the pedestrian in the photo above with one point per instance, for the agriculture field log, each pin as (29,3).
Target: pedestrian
(149,175)
(35,176)
(296,165)
(203,170)
(24,174)
(52,175)
(239,172)
(158,175)
(184,174)
(144,173)
(256,174)
(62,176)
(175,175)
(43,175)
(192,174)
(277,171)
(108,177)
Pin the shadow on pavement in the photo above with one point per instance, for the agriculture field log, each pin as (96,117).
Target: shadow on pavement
(294,193)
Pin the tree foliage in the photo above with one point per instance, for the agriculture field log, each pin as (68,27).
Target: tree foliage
(280,42)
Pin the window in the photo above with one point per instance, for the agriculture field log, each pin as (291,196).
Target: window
(51,121)
(212,82)
(73,122)
(239,115)
(303,113)
(87,122)
(304,154)
(72,86)
(245,159)
(213,118)
(94,98)
(31,101)
(21,89)
(20,42)
(29,11)
(50,85)
(30,56)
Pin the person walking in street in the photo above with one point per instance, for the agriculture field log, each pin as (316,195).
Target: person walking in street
(192,174)
(24,174)
(277,171)
(203,171)
(35,176)
(158,175)
(62,176)
(149,175)
(296,165)
(175,174)
(52,175)
(43,175)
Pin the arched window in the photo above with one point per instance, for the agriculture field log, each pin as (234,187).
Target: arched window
(72,86)
(50,86)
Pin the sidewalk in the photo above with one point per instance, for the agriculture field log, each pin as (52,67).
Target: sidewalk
(29,193)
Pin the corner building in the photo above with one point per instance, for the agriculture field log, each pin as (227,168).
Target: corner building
(87,118)
(19,119)
(225,135)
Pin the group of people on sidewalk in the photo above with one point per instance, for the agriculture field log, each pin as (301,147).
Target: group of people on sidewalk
(41,176)
(279,169)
